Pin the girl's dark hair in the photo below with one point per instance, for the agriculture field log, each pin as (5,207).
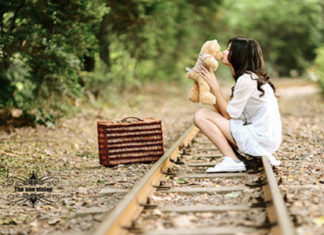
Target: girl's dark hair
(246,56)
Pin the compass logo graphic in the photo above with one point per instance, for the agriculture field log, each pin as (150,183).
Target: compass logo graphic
(32,189)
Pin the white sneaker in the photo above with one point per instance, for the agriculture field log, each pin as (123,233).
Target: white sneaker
(273,160)
(227,165)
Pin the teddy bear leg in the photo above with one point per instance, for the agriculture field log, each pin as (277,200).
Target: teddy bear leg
(194,93)
(205,96)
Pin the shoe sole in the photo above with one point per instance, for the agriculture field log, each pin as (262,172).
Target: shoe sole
(232,171)
(213,172)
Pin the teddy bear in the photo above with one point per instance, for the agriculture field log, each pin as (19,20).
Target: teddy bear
(209,54)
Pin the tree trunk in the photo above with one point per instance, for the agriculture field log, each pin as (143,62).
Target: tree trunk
(103,38)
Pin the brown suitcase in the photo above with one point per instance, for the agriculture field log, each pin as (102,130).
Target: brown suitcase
(130,140)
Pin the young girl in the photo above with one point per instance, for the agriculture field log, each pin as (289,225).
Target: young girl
(250,121)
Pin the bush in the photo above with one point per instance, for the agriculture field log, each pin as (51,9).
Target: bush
(318,68)
(52,52)
(42,44)
(288,32)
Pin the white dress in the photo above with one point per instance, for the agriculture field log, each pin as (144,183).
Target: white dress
(255,122)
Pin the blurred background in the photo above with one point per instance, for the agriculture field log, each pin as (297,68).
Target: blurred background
(54,53)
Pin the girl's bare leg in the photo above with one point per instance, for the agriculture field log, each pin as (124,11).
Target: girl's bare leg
(217,129)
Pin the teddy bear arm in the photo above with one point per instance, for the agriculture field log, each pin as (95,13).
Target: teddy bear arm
(211,63)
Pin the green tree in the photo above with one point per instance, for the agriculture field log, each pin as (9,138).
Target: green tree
(42,45)
(54,51)
(150,40)
(288,31)
(318,68)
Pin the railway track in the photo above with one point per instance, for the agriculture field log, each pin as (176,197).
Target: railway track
(176,196)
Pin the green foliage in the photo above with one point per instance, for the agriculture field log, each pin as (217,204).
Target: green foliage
(319,68)
(42,45)
(52,52)
(155,39)
(288,31)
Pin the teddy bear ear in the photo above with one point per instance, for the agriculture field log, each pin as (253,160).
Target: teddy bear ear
(215,40)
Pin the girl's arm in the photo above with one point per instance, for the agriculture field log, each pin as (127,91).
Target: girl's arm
(244,88)
(221,102)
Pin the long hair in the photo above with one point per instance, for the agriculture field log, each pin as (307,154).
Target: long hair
(246,56)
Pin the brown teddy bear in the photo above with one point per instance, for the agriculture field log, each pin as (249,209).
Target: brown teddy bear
(209,54)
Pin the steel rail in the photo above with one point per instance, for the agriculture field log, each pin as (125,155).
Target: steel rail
(125,213)
(277,212)
(130,207)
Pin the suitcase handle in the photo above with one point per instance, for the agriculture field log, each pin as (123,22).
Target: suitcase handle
(125,119)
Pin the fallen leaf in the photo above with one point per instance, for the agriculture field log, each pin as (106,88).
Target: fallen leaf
(16,113)
(206,215)
(233,194)
(157,212)
(319,221)
(53,221)
(183,221)
(180,181)
(34,223)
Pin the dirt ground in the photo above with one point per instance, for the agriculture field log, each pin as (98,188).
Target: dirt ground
(301,175)
(69,151)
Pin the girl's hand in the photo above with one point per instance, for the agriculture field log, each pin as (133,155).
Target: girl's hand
(210,78)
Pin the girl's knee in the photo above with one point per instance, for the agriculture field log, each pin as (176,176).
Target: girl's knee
(200,116)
